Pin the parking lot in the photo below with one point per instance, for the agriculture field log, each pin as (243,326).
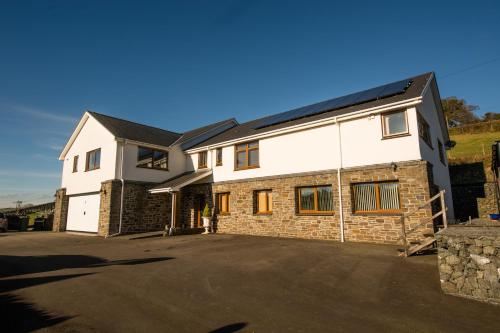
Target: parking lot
(223,283)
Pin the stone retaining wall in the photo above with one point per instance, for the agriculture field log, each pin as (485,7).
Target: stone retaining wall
(469,262)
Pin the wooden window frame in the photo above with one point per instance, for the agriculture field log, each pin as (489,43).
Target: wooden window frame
(202,165)
(218,158)
(152,167)
(377,200)
(441,152)
(397,135)
(421,120)
(268,211)
(247,152)
(219,203)
(87,161)
(75,163)
(301,211)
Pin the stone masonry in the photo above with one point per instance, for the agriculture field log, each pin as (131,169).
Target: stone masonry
(60,210)
(142,211)
(414,180)
(469,261)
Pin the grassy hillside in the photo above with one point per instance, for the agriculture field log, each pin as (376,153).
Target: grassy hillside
(473,146)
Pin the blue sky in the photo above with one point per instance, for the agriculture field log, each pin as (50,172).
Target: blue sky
(183,64)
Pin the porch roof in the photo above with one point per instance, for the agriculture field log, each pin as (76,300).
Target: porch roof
(178,182)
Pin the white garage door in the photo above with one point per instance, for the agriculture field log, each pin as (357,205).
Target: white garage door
(83,213)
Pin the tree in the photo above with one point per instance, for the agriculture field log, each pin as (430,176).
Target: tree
(458,112)
(489,116)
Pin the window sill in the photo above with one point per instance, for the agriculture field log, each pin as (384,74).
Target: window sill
(395,136)
(148,168)
(378,214)
(202,166)
(247,168)
(316,214)
(88,170)
(224,214)
(263,214)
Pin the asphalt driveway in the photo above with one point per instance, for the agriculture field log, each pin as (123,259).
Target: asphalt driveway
(223,283)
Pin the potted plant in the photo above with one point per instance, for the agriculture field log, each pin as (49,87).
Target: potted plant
(206,215)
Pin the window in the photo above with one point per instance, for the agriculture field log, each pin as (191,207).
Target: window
(152,158)
(423,130)
(218,157)
(394,124)
(75,163)
(93,160)
(223,203)
(202,159)
(315,199)
(263,202)
(246,156)
(441,152)
(376,197)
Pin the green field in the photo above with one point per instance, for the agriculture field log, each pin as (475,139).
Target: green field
(473,147)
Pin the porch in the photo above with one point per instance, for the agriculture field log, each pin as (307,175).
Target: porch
(187,202)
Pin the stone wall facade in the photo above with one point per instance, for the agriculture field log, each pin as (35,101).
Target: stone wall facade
(469,262)
(142,211)
(415,184)
(60,210)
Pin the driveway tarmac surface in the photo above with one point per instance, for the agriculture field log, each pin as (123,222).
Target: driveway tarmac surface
(57,282)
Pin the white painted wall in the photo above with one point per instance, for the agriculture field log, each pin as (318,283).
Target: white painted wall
(176,165)
(92,136)
(362,142)
(441,172)
(316,149)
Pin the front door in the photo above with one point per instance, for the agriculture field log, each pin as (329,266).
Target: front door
(199,206)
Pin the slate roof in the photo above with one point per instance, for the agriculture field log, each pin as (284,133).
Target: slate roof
(186,136)
(248,128)
(125,129)
(183,179)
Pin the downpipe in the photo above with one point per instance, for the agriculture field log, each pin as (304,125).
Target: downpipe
(121,195)
(339,183)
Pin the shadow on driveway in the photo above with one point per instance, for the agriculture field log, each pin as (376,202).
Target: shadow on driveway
(18,265)
(21,316)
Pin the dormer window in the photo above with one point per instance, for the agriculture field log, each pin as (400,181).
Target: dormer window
(394,124)
(152,158)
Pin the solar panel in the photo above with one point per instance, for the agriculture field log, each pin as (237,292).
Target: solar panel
(364,96)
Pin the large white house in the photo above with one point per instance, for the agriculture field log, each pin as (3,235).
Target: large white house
(343,169)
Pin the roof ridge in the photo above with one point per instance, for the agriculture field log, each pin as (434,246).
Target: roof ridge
(217,122)
(132,122)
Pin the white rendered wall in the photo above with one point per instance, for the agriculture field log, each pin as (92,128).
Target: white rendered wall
(316,149)
(441,172)
(176,165)
(363,144)
(92,136)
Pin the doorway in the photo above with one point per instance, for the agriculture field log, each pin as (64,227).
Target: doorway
(199,206)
